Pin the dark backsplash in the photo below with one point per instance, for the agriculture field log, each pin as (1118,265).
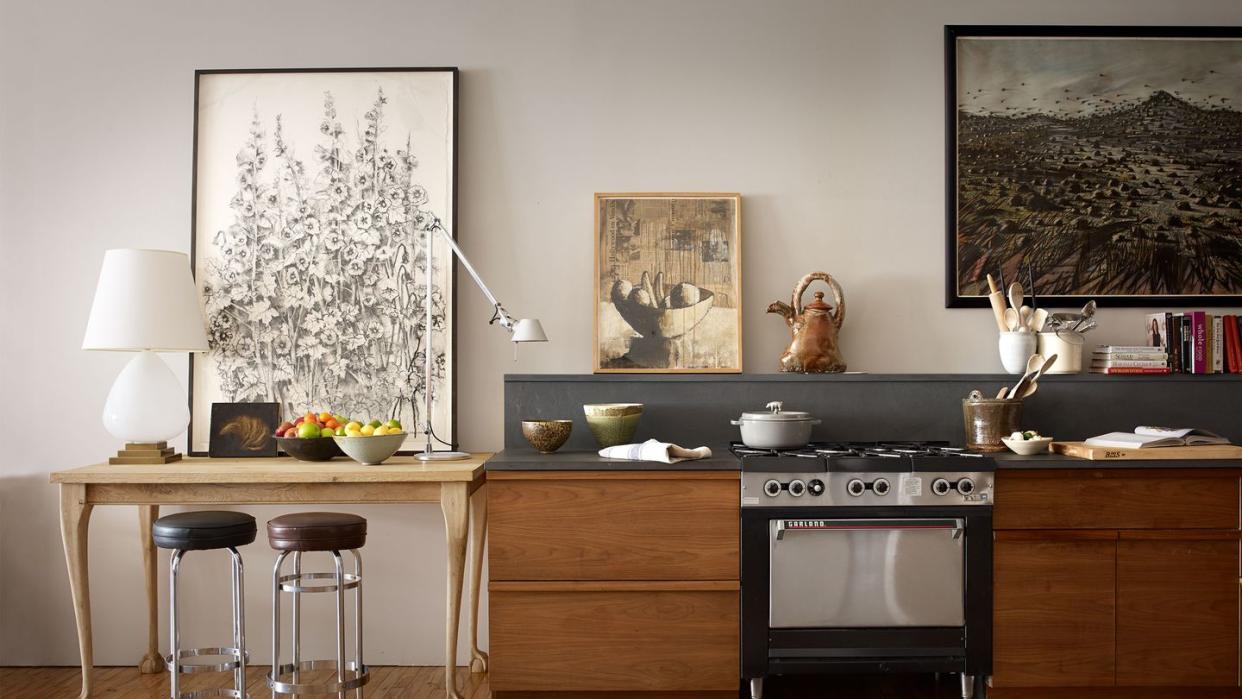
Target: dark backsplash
(691,410)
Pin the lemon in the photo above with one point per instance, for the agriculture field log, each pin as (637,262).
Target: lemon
(367,430)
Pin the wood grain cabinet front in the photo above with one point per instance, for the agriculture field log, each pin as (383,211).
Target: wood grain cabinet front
(1126,580)
(614,584)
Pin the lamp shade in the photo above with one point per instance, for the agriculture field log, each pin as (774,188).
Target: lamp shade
(146,300)
(528,330)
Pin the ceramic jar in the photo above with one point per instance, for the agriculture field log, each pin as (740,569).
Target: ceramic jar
(1015,349)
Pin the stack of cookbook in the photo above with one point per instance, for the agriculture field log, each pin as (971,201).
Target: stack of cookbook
(1129,359)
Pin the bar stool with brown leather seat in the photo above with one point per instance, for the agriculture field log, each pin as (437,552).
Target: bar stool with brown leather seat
(307,532)
(205,531)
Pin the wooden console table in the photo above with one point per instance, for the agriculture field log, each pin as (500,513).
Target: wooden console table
(458,486)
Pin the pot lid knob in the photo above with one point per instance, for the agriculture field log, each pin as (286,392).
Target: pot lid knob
(775,406)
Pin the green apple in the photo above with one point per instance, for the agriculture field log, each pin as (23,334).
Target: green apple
(340,432)
(308,430)
(327,432)
(374,423)
(393,424)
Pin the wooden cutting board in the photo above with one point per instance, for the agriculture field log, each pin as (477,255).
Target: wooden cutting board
(1203,451)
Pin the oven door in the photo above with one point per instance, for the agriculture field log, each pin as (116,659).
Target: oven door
(866,573)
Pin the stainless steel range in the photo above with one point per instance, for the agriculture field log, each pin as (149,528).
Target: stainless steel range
(866,557)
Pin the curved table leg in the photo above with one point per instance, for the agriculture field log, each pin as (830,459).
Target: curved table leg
(152,662)
(75,519)
(455,503)
(478,534)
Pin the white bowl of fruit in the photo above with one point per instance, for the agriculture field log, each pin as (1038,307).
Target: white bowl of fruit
(371,443)
(1027,442)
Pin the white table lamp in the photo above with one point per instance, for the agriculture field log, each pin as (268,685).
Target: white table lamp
(523,330)
(146,302)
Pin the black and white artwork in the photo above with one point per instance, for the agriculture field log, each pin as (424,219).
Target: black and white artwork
(315,192)
(1109,160)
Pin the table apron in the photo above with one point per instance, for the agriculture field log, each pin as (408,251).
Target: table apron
(265,493)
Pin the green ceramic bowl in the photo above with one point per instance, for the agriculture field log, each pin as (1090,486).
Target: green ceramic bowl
(613,423)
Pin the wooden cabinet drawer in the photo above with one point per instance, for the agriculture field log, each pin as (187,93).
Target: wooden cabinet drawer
(1103,500)
(1055,611)
(612,526)
(604,637)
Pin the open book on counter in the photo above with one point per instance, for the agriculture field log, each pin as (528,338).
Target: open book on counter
(1150,437)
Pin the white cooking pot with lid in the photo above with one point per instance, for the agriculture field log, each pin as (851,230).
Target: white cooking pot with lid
(776,428)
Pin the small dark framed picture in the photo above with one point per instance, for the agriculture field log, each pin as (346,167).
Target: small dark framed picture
(243,430)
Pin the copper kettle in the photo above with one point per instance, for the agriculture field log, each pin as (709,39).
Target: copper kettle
(814,349)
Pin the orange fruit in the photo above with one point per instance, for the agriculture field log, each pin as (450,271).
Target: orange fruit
(332,423)
(325,416)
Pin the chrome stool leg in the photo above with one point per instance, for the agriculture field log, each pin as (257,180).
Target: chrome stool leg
(350,676)
(174,627)
(237,654)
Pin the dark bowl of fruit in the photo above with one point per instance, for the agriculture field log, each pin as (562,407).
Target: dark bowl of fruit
(309,438)
(312,449)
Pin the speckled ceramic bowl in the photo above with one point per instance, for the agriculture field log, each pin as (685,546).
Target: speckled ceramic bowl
(547,435)
(613,423)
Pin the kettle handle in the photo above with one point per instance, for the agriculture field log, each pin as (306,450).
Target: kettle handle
(838,306)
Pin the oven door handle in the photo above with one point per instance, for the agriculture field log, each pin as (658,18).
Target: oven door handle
(955,526)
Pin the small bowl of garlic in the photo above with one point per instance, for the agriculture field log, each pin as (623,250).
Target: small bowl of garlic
(1027,443)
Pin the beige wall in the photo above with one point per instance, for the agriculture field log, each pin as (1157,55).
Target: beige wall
(826,115)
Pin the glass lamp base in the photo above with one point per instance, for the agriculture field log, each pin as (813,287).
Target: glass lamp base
(442,456)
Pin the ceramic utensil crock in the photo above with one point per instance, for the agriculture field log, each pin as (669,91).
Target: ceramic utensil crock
(1015,348)
(1068,348)
(988,420)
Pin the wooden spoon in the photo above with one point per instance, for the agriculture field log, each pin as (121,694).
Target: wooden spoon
(1011,319)
(1015,296)
(1034,385)
(1024,318)
(1033,363)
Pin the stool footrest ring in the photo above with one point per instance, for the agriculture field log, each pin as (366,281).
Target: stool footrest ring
(290,583)
(191,668)
(362,675)
(214,692)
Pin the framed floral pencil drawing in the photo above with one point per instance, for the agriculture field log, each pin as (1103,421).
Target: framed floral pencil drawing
(314,192)
(668,283)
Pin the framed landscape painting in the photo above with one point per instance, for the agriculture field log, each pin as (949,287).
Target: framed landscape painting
(1106,160)
(314,194)
(668,283)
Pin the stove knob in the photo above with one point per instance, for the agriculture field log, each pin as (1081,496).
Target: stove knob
(815,487)
(772,487)
(941,487)
(855,487)
(965,486)
(797,488)
(880,486)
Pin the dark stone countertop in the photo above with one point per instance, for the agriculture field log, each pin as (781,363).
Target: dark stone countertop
(722,460)
(531,460)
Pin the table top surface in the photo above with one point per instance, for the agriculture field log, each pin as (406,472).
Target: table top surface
(191,469)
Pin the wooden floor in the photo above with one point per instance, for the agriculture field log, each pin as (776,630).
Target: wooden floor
(425,683)
(126,682)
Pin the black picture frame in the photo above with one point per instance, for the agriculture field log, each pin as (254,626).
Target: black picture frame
(243,430)
(455,231)
(953,299)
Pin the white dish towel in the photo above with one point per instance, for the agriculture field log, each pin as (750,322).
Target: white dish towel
(654,450)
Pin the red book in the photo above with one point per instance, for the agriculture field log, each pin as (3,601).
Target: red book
(1131,370)
(1198,326)
(1231,344)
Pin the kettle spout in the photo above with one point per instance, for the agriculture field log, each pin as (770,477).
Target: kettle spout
(784,309)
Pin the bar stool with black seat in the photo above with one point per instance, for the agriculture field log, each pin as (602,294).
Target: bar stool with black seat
(205,531)
(308,532)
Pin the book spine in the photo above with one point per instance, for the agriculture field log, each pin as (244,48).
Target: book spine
(1231,344)
(1130,370)
(1143,355)
(1156,364)
(1175,341)
(1199,365)
(1188,345)
(1218,345)
(1144,349)
(1168,322)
